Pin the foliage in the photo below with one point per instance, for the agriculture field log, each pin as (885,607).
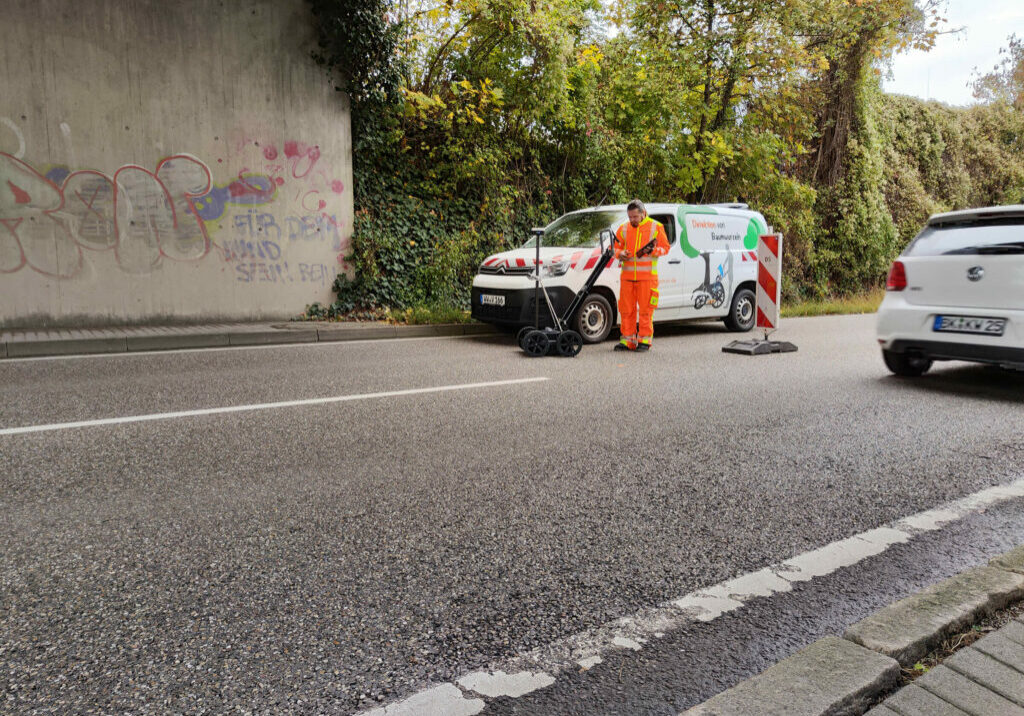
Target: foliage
(474,120)
(1005,83)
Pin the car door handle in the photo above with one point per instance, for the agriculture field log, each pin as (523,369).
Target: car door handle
(676,261)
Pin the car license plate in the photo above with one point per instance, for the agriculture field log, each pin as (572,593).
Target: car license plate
(490,299)
(970,324)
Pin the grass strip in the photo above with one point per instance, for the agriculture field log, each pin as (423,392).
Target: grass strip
(866,302)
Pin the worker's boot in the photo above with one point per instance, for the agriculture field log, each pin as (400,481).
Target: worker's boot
(642,347)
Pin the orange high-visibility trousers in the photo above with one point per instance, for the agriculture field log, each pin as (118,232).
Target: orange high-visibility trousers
(637,299)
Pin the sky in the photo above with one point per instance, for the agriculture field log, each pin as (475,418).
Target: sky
(944,73)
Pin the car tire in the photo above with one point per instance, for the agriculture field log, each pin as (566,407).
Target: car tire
(908,366)
(742,311)
(594,318)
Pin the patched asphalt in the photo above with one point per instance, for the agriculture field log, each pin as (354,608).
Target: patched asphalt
(319,559)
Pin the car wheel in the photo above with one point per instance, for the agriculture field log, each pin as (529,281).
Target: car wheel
(909,366)
(593,320)
(741,311)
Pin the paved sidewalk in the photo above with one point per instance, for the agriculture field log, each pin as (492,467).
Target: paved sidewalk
(985,678)
(28,343)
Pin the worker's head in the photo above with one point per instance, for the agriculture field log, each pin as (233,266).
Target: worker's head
(636,212)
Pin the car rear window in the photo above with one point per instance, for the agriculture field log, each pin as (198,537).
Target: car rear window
(961,237)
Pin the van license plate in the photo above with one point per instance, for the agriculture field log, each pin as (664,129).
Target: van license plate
(970,324)
(490,299)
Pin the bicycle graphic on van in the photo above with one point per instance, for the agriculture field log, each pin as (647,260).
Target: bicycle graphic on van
(709,292)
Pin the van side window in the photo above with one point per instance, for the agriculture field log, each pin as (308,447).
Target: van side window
(670,226)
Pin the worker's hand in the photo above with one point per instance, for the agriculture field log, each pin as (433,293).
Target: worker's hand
(624,254)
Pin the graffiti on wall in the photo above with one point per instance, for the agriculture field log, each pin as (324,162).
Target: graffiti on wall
(49,222)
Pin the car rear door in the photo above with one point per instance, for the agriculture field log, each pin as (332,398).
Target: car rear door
(976,264)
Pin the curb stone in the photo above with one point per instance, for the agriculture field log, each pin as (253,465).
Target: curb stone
(833,676)
(32,349)
(258,338)
(910,628)
(157,339)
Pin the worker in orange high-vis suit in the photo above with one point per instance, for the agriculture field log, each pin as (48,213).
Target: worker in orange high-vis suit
(638,282)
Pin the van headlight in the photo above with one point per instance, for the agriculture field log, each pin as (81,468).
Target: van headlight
(556,269)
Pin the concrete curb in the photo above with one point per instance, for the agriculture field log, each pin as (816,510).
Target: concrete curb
(178,339)
(831,676)
(839,676)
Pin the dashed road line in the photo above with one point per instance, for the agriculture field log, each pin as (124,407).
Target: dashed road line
(260,406)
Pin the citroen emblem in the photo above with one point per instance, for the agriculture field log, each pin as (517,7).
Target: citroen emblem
(975,273)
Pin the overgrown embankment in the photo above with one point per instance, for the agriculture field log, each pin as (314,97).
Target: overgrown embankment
(474,121)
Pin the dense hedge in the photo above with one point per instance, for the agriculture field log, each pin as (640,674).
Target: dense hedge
(473,122)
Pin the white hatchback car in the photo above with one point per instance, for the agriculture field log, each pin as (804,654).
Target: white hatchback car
(957,293)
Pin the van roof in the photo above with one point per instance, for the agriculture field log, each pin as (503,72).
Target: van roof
(665,208)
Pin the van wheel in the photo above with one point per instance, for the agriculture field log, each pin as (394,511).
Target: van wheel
(593,320)
(908,366)
(741,312)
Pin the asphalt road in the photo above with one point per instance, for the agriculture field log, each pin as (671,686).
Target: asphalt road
(324,558)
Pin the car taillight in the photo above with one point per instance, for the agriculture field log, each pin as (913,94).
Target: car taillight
(897,280)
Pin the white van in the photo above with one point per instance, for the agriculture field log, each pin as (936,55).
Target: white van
(710,270)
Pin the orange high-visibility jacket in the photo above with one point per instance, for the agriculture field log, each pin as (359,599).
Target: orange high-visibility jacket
(644,268)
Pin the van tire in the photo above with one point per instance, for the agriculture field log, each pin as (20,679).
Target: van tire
(742,311)
(594,318)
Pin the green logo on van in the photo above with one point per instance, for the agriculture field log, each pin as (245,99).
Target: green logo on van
(755,227)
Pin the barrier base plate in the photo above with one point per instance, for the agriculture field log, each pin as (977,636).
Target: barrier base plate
(758,347)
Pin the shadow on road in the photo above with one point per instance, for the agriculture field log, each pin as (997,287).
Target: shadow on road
(976,381)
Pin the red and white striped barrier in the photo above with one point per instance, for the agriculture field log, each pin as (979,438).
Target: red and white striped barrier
(769,281)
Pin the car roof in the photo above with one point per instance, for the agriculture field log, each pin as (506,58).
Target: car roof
(1011,211)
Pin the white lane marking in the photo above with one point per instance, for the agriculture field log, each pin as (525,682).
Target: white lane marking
(709,604)
(930,520)
(260,406)
(443,700)
(217,349)
(626,643)
(499,683)
(827,559)
(584,649)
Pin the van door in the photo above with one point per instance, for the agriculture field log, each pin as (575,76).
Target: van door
(670,272)
(711,241)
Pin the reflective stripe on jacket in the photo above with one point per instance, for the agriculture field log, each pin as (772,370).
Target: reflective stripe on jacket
(629,239)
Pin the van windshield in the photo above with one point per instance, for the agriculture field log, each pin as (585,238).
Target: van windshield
(579,230)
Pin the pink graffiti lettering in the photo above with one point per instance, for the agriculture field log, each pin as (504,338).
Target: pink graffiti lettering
(20,197)
(36,232)
(143,216)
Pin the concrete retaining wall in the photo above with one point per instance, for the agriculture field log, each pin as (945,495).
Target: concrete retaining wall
(160,160)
